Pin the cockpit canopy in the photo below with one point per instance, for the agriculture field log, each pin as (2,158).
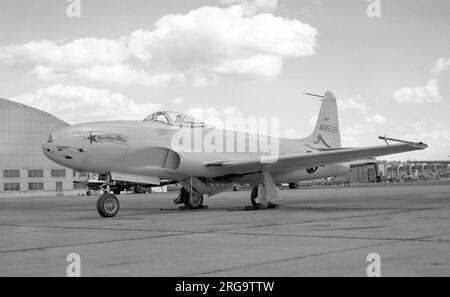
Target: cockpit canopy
(175,119)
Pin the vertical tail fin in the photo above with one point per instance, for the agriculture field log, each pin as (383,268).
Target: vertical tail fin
(326,133)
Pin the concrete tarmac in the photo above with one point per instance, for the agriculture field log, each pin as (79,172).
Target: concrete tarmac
(315,232)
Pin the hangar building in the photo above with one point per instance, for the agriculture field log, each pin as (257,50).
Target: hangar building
(24,170)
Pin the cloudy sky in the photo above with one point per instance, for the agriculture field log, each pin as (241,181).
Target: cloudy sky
(216,58)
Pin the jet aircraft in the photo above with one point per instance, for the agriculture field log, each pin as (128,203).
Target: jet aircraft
(145,152)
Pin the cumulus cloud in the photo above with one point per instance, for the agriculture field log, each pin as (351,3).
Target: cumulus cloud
(127,75)
(354,106)
(420,94)
(440,66)
(77,53)
(436,135)
(201,80)
(357,120)
(76,104)
(215,40)
(200,46)
(376,119)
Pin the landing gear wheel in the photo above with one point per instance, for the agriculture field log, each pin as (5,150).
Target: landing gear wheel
(194,201)
(253,197)
(108,205)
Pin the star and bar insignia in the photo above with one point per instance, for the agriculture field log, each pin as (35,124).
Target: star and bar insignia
(92,138)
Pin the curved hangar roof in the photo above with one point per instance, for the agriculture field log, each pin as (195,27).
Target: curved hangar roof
(22,131)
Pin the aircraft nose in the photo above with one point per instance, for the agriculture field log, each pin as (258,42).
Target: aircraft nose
(57,145)
(47,145)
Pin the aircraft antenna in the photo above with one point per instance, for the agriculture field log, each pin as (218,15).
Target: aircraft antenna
(385,140)
(314,95)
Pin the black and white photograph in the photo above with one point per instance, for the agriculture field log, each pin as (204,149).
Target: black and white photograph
(224,145)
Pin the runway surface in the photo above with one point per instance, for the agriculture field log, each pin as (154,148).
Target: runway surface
(315,232)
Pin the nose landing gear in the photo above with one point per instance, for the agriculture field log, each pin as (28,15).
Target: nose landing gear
(108,205)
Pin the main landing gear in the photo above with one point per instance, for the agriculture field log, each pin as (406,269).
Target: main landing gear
(190,200)
(262,205)
(262,196)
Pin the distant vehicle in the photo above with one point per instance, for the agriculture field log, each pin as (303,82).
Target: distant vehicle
(143,152)
(241,187)
(410,178)
(394,179)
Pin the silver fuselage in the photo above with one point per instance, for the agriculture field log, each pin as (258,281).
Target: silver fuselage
(147,149)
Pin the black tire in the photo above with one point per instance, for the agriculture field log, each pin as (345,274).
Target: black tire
(191,201)
(253,197)
(108,205)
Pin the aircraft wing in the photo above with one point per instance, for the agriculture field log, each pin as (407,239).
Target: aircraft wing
(306,160)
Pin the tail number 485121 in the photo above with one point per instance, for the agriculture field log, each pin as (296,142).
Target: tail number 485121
(328,128)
